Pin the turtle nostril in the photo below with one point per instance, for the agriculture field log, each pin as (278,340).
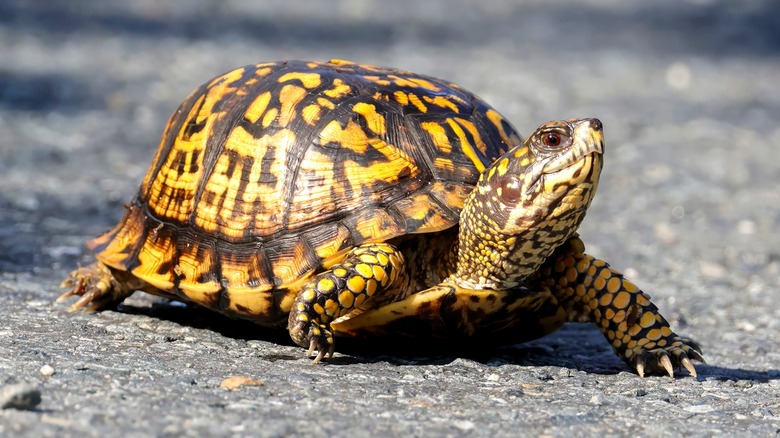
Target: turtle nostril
(595,124)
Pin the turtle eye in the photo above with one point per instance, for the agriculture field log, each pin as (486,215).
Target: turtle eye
(551,139)
(554,141)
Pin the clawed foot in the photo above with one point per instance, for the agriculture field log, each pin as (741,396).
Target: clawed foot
(95,286)
(318,336)
(678,354)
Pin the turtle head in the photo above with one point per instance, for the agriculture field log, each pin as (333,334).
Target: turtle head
(528,202)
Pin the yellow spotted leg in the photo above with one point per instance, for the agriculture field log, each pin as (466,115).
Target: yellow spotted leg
(367,277)
(589,290)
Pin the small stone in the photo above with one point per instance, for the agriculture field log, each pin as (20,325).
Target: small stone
(745,326)
(678,76)
(493,378)
(699,409)
(762,413)
(464,425)
(19,396)
(597,400)
(665,233)
(47,370)
(542,375)
(711,270)
(746,227)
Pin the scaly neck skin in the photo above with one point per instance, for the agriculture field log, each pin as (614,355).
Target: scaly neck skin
(526,204)
(489,258)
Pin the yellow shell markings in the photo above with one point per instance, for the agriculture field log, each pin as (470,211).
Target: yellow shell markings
(438,136)
(177,180)
(311,114)
(509,135)
(344,185)
(468,147)
(113,247)
(171,133)
(401,97)
(442,102)
(415,100)
(308,79)
(175,183)
(258,106)
(172,192)
(289,96)
(339,89)
(230,205)
(374,120)
(153,253)
(196,265)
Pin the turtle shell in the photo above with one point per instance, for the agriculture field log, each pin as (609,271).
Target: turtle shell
(271,172)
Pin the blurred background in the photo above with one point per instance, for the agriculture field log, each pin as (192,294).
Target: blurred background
(688,91)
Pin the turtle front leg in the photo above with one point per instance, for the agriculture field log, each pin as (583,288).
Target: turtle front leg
(369,276)
(97,287)
(589,290)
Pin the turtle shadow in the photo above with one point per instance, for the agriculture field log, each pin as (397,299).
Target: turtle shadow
(577,347)
(201,318)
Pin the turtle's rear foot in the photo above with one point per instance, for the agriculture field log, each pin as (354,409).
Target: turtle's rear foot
(96,286)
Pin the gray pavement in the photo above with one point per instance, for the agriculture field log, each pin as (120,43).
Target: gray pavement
(688,207)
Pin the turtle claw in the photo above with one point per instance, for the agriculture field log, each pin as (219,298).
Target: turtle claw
(318,336)
(91,297)
(321,352)
(667,364)
(95,287)
(686,363)
(696,355)
(322,343)
(88,302)
(640,366)
(665,360)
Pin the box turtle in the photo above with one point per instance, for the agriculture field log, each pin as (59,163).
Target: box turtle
(347,200)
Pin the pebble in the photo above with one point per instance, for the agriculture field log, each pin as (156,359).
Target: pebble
(699,409)
(464,425)
(19,396)
(47,370)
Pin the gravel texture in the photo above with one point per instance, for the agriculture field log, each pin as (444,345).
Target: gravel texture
(689,208)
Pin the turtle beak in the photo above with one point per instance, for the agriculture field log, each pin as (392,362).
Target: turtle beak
(588,138)
(592,135)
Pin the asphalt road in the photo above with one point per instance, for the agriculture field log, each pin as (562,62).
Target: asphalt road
(688,207)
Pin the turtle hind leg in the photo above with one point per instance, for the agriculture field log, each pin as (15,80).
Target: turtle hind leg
(96,286)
